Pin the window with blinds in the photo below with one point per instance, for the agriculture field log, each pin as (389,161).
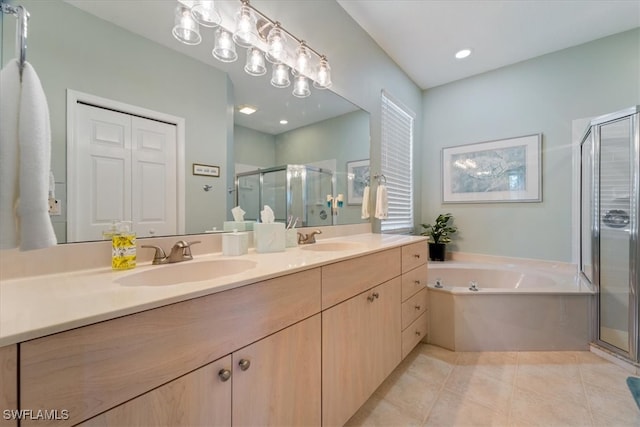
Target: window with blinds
(397,164)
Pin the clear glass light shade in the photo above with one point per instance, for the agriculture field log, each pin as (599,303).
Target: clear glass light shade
(280,76)
(205,13)
(301,87)
(255,64)
(323,76)
(303,59)
(224,49)
(185,28)
(245,34)
(276,53)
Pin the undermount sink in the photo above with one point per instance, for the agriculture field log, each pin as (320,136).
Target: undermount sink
(185,272)
(332,246)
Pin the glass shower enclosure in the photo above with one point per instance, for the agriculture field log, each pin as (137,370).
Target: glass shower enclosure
(291,191)
(609,245)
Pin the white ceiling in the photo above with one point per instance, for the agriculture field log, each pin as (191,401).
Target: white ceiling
(421,36)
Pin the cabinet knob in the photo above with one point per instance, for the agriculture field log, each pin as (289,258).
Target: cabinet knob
(418,307)
(418,333)
(417,282)
(224,374)
(373,296)
(244,364)
(416,255)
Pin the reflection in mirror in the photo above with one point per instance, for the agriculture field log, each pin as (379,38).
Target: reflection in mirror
(113,51)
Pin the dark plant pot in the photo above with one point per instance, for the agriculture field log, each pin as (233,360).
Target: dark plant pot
(437,251)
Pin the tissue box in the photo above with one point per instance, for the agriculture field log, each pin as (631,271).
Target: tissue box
(238,225)
(234,244)
(269,237)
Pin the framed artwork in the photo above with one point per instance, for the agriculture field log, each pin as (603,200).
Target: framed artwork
(505,170)
(206,170)
(357,180)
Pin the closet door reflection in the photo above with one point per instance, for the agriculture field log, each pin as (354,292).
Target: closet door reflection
(615,232)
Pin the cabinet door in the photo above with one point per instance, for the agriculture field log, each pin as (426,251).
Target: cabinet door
(276,381)
(200,398)
(361,345)
(8,384)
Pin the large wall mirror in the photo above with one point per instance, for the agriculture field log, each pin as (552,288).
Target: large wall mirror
(122,54)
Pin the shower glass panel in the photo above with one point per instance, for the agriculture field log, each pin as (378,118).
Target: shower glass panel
(610,249)
(614,206)
(296,191)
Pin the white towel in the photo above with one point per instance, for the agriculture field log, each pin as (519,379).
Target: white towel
(365,203)
(382,203)
(9,106)
(34,136)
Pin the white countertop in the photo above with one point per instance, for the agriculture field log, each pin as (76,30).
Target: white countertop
(33,307)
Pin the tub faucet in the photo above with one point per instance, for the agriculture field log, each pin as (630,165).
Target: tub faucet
(305,239)
(473,286)
(181,251)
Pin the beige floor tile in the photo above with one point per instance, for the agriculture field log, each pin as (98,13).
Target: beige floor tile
(413,395)
(474,384)
(547,358)
(430,368)
(532,409)
(439,353)
(501,366)
(560,381)
(377,412)
(611,408)
(454,410)
(604,374)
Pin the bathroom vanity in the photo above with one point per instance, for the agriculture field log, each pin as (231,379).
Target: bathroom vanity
(304,338)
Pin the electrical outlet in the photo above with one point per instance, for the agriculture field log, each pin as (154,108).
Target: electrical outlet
(55,207)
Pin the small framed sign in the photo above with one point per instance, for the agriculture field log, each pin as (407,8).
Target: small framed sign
(206,170)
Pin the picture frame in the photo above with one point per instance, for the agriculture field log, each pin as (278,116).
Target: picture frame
(357,180)
(503,170)
(206,170)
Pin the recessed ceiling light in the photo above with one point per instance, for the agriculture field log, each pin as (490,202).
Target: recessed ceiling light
(247,109)
(284,122)
(461,54)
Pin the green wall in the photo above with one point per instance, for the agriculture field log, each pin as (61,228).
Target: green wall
(541,95)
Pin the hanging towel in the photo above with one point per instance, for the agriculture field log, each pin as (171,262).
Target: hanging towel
(9,106)
(365,203)
(382,202)
(34,139)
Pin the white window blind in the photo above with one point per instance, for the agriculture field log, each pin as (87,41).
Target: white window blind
(397,164)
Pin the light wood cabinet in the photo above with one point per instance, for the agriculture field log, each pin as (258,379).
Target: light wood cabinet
(414,333)
(414,255)
(361,345)
(8,384)
(276,381)
(415,302)
(199,398)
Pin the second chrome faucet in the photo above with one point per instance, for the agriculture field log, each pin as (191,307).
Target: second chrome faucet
(304,239)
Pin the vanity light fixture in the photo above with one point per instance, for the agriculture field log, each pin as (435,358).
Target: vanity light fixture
(463,53)
(264,38)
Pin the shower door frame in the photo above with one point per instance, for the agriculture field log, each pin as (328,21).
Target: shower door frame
(593,132)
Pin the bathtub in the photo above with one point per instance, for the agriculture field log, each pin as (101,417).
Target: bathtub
(512,307)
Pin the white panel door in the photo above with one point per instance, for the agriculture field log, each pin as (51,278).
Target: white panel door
(122,167)
(100,172)
(154,178)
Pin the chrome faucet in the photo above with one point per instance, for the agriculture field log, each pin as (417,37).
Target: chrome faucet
(305,239)
(181,251)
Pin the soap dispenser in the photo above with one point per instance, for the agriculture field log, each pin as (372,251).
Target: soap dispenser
(123,243)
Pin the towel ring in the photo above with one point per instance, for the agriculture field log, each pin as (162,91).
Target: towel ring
(380,178)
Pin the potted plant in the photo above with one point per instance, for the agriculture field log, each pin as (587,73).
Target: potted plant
(439,236)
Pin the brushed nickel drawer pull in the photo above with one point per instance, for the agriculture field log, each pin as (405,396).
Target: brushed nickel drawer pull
(416,255)
(418,333)
(373,296)
(244,364)
(418,307)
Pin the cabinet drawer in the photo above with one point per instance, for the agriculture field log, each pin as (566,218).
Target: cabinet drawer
(416,332)
(414,281)
(94,368)
(414,307)
(413,255)
(345,279)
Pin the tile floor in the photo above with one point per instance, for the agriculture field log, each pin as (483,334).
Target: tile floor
(438,387)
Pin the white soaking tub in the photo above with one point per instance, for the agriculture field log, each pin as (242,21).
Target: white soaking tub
(502,307)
